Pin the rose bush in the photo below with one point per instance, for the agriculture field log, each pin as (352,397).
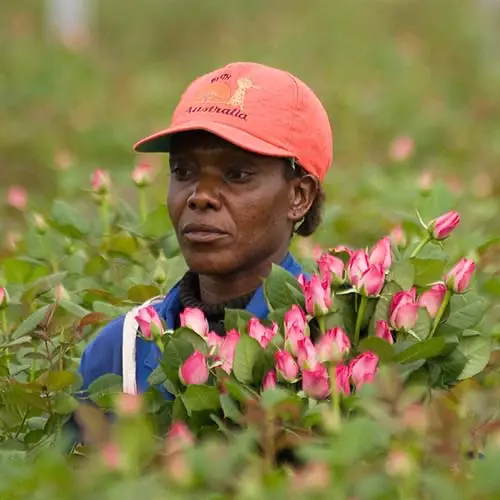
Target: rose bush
(368,348)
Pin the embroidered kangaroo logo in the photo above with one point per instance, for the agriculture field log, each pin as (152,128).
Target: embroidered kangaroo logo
(238,98)
(220,93)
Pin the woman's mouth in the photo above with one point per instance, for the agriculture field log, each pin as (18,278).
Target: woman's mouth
(202,233)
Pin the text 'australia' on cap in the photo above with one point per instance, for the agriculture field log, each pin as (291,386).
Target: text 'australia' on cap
(258,108)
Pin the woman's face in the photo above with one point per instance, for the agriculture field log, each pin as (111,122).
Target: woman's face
(232,210)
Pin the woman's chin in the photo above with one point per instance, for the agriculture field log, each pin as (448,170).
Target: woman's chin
(210,263)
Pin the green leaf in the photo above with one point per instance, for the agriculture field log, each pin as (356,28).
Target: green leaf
(238,391)
(174,355)
(16,270)
(273,397)
(428,271)
(282,289)
(157,223)
(122,244)
(31,322)
(247,351)
(230,408)
(110,382)
(198,342)
(73,308)
(380,347)
(179,410)
(423,325)
(343,313)
(68,220)
(58,380)
(466,311)
(421,350)
(403,273)
(157,376)
(41,286)
(451,366)
(481,249)
(141,293)
(236,319)
(477,350)
(64,404)
(201,397)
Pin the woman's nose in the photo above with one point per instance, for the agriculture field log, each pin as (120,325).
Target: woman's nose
(205,196)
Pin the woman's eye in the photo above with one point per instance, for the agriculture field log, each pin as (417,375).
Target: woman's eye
(181,173)
(238,174)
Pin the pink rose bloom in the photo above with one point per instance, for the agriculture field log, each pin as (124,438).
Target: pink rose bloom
(381,254)
(331,268)
(315,382)
(146,317)
(333,345)
(342,379)
(363,368)
(270,380)
(459,278)
(317,295)
(194,318)
(404,310)
(431,299)
(306,354)
(262,334)
(17,197)
(100,181)
(143,174)
(194,370)
(227,350)
(383,331)
(441,227)
(286,366)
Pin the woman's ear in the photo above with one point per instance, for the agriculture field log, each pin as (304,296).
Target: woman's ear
(303,192)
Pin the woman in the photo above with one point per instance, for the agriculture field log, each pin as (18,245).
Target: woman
(249,146)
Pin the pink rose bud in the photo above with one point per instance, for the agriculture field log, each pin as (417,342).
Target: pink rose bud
(383,331)
(381,254)
(17,197)
(149,322)
(357,266)
(398,236)
(194,318)
(100,182)
(459,278)
(342,379)
(270,380)
(403,310)
(214,340)
(315,382)
(333,345)
(444,225)
(370,284)
(262,334)
(363,368)
(425,181)
(295,318)
(401,148)
(286,366)
(306,354)
(194,370)
(431,299)
(4,298)
(227,350)
(331,268)
(179,437)
(317,295)
(293,335)
(143,174)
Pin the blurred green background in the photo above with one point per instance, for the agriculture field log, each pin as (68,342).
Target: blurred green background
(427,70)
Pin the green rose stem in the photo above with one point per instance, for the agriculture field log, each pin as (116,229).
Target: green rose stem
(420,246)
(335,394)
(46,251)
(143,204)
(359,319)
(442,308)
(4,321)
(104,209)
(321,323)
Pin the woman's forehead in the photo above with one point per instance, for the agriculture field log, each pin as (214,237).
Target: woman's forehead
(199,140)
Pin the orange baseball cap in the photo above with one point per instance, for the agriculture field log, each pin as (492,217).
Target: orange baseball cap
(258,108)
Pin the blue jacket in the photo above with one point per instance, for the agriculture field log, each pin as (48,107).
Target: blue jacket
(104,354)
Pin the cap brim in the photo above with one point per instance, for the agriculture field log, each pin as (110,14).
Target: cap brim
(160,141)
